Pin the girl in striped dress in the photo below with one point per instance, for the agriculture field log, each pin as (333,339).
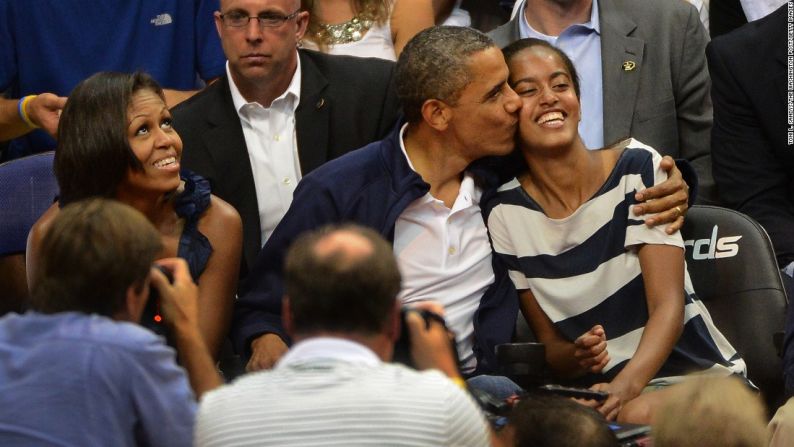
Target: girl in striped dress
(608,295)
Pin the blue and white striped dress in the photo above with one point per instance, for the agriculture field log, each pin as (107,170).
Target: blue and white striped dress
(584,269)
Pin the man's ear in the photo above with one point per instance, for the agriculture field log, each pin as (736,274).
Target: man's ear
(286,316)
(437,114)
(303,22)
(219,23)
(135,299)
(393,323)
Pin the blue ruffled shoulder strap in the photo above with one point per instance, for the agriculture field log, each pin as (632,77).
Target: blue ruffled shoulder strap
(194,247)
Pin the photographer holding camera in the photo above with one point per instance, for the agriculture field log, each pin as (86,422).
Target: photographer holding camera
(334,387)
(74,370)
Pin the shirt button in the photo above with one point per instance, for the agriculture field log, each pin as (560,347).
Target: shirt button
(286,180)
(451,250)
(277,137)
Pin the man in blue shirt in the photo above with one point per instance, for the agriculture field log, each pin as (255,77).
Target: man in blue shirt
(51,45)
(76,369)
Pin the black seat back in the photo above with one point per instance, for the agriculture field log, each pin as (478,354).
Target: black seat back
(734,272)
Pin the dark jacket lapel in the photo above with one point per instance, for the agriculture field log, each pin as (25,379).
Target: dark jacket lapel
(620,84)
(313,116)
(226,145)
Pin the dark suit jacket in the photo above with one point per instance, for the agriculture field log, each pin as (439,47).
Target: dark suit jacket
(753,157)
(345,103)
(663,102)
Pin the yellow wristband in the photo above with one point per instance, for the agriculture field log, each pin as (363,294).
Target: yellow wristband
(23,112)
(459,382)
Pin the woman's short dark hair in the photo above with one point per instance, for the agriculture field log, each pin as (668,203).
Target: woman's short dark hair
(92,253)
(520,45)
(93,153)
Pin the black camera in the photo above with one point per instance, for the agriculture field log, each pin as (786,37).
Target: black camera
(152,317)
(402,348)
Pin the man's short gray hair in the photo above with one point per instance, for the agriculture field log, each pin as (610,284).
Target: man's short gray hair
(435,65)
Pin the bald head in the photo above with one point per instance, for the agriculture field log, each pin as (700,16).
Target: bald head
(348,247)
(341,279)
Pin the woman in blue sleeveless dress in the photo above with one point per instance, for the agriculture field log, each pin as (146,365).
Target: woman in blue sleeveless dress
(115,140)
(609,296)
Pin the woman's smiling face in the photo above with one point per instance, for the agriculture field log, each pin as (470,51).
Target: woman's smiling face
(155,144)
(550,111)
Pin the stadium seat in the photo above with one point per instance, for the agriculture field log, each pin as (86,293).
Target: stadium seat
(27,188)
(735,274)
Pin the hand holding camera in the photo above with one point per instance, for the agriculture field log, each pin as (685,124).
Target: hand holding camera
(179,306)
(178,298)
(432,345)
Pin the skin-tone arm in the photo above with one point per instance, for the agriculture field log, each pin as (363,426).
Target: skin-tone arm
(35,236)
(663,275)
(431,347)
(266,350)
(668,199)
(180,309)
(588,353)
(44,110)
(217,285)
(408,18)
(442,9)
(174,97)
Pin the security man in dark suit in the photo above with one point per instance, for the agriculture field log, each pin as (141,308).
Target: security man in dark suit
(279,113)
(752,141)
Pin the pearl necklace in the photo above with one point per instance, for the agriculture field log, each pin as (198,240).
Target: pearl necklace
(351,31)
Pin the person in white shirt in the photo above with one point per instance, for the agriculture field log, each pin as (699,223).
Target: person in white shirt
(333,387)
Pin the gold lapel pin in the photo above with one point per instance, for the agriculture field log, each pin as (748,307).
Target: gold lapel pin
(629,65)
(320,103)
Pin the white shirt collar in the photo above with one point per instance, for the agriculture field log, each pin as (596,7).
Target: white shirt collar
(593,24)
(402,146)
(330,348)
(292,94)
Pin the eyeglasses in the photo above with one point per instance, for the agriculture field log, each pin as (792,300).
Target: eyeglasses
(266,20)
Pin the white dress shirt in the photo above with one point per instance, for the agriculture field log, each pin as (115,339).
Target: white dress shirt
(756,9)
(272,149)
(444,255)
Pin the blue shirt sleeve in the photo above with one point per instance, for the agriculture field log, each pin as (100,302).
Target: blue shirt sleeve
(157,392)
(210,60)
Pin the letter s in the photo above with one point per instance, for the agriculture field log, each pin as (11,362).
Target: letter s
(727,248)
